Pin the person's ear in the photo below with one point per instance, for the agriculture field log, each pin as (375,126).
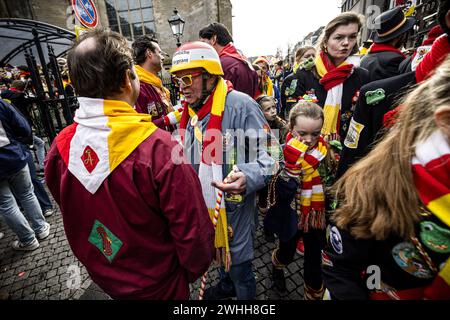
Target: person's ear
(126,85)
(214,40)
(442,119)
(148,53)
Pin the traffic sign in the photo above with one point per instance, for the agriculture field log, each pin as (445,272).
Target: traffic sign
(85,12)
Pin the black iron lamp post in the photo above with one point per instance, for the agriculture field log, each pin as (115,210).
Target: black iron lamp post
(177,26)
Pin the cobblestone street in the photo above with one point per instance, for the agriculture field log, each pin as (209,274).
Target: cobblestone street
(48,272)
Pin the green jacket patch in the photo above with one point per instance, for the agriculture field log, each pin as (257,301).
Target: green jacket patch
(373,97)
(105,240)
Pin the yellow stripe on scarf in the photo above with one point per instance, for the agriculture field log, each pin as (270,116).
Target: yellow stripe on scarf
(320,67)
(151,79)
(269,87)
(331,115)
(220,95)
(440,208)
(221,236)
(128,130)
(218,107)
(445,272)
(309,173)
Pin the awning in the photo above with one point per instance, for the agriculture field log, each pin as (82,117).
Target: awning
(16,35)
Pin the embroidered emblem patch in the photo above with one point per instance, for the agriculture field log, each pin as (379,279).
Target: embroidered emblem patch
(373,97)
(105,240)
(352,138)
(336,240)
(89,158)
(409,259)
(291,89)
(435,237)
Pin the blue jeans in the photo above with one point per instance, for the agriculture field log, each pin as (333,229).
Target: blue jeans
(39,144)
(240,278)
(39,190)
(20,184)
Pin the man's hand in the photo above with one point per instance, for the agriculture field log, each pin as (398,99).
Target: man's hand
(236,185)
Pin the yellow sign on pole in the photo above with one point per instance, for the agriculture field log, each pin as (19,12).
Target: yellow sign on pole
(80,30)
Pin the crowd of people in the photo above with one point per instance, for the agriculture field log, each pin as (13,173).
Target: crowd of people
(346,158)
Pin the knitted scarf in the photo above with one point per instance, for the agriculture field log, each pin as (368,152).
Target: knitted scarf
(425,47)
(431,168)
(333,78)
(211,168)
(151,79)
(104,134)
(437,54)
(310,200)
(382,47)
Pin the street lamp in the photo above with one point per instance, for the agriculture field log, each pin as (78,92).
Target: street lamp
(177,25)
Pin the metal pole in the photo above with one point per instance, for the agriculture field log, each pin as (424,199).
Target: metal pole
(40,94)
(59,84)
(43,63)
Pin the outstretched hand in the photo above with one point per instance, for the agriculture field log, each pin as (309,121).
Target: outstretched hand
(237,183)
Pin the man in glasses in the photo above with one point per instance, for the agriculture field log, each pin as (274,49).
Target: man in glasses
(129,212)
(154,98)
(224,134)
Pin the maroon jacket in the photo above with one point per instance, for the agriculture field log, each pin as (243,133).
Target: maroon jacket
(153,206)
(151,102)
(241,76)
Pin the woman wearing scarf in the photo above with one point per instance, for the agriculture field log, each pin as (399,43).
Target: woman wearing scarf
(391,240)
(265,84)
(336,79)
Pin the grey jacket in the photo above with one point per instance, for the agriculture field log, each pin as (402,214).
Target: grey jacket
(250,156)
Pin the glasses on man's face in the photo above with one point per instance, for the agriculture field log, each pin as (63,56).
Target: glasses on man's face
(186,80)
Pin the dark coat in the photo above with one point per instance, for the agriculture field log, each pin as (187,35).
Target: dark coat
(165,239)
(282,219)
(306,82)
(14,128)
(360,140)
(382,65)
(241,76)
(345,262)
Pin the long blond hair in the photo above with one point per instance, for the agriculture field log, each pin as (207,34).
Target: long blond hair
(377,196)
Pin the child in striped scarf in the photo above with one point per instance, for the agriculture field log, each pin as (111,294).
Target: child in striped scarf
(296,198)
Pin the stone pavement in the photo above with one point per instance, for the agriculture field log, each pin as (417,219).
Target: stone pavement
(53,273)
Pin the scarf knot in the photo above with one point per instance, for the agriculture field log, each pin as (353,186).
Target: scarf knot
(310,199)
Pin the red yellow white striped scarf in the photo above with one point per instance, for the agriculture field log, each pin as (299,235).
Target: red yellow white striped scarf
(211,163)
(310,199)
(105,133)
(431,172)
(333,78)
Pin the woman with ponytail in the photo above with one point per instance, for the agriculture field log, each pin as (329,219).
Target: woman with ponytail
(391,233)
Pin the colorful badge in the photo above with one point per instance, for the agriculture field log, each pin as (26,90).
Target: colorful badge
(353,134)
(435,237)
(105,240)
(89,158)
(336,240)
(409,259)
(373,97)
